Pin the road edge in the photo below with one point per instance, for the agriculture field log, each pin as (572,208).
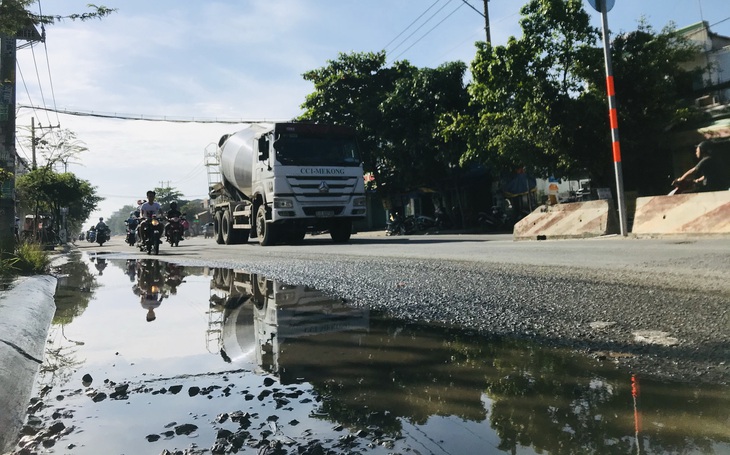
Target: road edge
(27,310)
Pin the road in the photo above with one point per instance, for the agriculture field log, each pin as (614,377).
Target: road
(655,305)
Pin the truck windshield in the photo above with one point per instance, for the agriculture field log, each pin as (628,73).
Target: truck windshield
(296,149)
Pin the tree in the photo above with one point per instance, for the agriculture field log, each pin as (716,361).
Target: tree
(167,195)
(524,93)
(45,191)
(414,154)
(349,91)
(56,147)
(15,16)
(540,100)
(653,93)
(396,112)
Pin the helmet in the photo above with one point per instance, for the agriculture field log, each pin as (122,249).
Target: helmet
(101,218)
(173,205)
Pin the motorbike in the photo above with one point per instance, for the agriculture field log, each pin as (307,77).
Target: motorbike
(102,235)
(151,234)
(174,231)
(91,235)
(401,226)
(131,238)
(496,220)
(208,230)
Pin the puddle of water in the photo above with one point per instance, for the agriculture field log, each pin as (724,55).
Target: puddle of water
(225,361)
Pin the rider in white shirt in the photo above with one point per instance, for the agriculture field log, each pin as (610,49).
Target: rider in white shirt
(147,210)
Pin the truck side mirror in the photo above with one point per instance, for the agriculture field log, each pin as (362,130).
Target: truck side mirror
(263,149)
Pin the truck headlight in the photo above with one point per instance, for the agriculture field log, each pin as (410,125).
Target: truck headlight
(358,202)
(283,203)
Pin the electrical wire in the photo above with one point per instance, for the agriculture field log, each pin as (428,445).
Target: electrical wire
(48,62)
(430,30)
(411,24)
(150,118)
(420,27)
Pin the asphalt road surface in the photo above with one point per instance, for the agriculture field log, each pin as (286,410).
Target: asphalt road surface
(657,306)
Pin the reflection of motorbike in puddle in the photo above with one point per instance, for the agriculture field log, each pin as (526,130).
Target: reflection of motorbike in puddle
(256,317)
(149,286)
(99,264)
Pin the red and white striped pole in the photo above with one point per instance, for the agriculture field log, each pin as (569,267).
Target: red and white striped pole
(613,117)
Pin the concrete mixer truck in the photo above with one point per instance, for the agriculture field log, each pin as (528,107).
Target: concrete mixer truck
(276,182)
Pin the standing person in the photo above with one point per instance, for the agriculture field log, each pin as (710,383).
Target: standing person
(707,174)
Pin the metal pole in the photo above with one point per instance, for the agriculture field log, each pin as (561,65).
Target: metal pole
(486,21)
(613,117)
(32,141)
(7,143)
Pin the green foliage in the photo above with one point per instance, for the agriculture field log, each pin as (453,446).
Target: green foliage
(652,92)
(396,112)
(414,153)
(540,100)
(167,195)
(29,258)
(5,175)
(47,191)
(116,221)
(349,91)
(14,16)
(525,93)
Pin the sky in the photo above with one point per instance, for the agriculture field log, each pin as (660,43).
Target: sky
(236,60)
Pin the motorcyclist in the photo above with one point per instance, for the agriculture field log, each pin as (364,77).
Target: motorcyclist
(102,228)
(132,222)
(170,215)
(148,210)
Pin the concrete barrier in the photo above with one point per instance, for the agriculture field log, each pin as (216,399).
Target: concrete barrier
(566,221)
(26,312)
(682,214)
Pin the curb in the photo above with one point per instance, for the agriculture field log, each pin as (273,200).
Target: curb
(27,311)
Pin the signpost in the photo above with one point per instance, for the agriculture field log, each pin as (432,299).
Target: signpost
(603,7)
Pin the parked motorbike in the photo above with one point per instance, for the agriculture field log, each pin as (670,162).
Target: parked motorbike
(174,231)
(495,220)
(151,230)
(401,226)
(424,223)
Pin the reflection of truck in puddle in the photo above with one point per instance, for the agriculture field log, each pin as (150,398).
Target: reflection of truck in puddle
(257,316)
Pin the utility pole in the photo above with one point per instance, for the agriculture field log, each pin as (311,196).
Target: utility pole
(7,143)
(486,21)
(33,139)
(8,47)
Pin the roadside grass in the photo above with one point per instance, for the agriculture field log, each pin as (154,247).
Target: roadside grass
(28,259)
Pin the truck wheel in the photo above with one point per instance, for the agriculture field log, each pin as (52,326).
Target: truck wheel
(227,233)
(340,231)
(217,222)
(264,232)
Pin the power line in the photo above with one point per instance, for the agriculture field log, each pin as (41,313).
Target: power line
(430,30)
(149,118)
(420,27)
(48,62)
(411,24)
